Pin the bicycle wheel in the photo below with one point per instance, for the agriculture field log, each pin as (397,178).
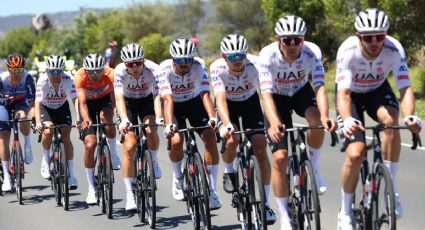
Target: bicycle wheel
(383,201)
(309,198)
(257,197)
(294,199)
(64,177)
(239,198)
(1,180)
(201,193)
(107,183)
(188,190)
(148,185)
(139,194)
(57,182)
(18,166)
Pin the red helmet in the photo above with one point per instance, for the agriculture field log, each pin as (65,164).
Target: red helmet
(194,40)
(113,43)
(15,60)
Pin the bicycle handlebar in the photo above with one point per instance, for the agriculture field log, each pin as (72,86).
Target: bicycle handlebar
(144,125)
(190,129)
(54,127)
(246,131)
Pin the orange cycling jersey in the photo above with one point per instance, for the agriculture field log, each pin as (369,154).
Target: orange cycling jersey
(95,90)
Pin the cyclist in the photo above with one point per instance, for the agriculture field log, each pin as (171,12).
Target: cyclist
(111,54)
(17,93)
(95,92)
(51,107)
(184,85)
(234,79)
(135,92)
(284,71)
(364,62)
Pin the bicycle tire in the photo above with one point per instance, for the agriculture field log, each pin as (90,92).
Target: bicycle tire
(149,189)
(139,195)
(310,198)
(201,190)
(191,204)
(382,178)
(293,199)
(257,197)
(239,198)
(107,183)
(57,177)
(1,180)
(64,177)
(18,165)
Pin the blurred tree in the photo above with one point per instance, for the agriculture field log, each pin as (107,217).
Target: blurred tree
(143,19)
(19,39)
(190,16)
(156,47)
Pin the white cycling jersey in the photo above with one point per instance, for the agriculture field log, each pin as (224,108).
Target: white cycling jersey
(47,94)
(183,88)
(236,88)
(127,84)
(361,75)
(280,77)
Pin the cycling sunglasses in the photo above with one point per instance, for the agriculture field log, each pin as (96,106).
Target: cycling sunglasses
(55,71)
(291,40)
(95,72)
(132,64)
(369,37)
(235,57)
(16,70)
(179,61)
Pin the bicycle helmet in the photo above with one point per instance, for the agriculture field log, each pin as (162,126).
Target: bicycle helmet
(234,43)
(55,62)
(182,48)
(15,60)
(290,26)
(371,20)
(94,62)
(132,52)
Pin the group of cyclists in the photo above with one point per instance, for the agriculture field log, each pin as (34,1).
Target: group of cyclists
(179,88)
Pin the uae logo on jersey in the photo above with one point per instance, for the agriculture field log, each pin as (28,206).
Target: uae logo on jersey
(299,67)
(380,69)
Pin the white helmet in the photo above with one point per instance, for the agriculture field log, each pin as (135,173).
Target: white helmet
(55,62)
(234,43)
(372,20)
(132,52)
(182,48)
(94,62)
(290,25)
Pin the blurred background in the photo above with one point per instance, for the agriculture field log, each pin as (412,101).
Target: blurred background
(77,27)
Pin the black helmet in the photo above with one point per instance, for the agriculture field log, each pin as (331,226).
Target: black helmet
(67,52)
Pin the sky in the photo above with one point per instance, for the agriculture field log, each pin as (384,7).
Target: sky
(53,6)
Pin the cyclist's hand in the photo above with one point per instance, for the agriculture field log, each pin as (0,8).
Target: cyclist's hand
(124,126)
(85,124)
(169,130)
(213,123)
(39,127)
(350,125)
(329,124)
(160,121)
(275,132)
(414,123)
(5,101)
(226,131)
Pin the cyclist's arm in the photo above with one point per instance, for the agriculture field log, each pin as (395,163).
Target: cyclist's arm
(37,111)
(168,108)
(120,103)
(322,102)
(157,106)
(209,107)
(270,109)
(407,98)
(222,109)
(343,102)
(82,104)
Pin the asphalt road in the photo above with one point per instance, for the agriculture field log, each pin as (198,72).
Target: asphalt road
(40,212)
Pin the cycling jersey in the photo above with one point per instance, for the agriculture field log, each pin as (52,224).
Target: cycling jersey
(23,93)
(280,77)
(131,87)
(95,90)
(236,88)
(361,75)
(49,97)
(183,88)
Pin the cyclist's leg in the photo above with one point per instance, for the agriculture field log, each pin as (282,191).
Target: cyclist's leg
(106,116)
(25,128)
(5,154)
(128,169)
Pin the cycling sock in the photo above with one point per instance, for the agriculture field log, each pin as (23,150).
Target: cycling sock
(112,145)
(27,141)
(6,174)
(90,177)
(267,191)
(228,167)
(154,154)
(314,155)
(347,199)
(128,186)
(177,168)
(71,168)
(47,155)
(393,168)
(212,171)
(282,203)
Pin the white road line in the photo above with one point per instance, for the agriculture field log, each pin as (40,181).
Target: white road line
(370,138)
